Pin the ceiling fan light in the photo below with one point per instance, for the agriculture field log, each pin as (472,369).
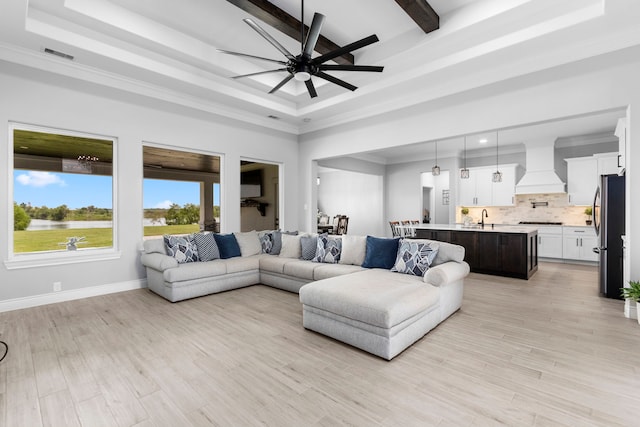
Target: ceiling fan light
(302,76)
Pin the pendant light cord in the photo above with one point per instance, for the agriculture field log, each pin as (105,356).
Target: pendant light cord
(465,152)
(497,168)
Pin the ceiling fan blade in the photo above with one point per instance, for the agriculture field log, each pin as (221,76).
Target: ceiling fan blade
(228,52)
(313,35)
(311,88)
(259,73)
(335,80)
(340,67)
(270,39)
(346,49)
(282,83)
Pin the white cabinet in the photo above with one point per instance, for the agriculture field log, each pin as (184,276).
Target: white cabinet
(583,176)
(480,190)
(621,133)
(578,243)
(582,180)
(550,242)
(607,164)
(503,192)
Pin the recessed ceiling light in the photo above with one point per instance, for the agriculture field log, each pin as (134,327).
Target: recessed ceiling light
(271,116)
(306,119)
(483,140)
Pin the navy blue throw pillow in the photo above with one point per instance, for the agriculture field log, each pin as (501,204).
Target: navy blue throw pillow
(381,253)
(228,245)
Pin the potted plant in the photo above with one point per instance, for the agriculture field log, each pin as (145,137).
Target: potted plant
(466,219)
(633,293)
(588,211)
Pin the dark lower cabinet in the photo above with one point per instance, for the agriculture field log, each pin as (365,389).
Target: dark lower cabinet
(500,254)
(470,242)
(441,235)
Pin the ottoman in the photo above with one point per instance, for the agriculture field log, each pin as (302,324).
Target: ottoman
(375,310)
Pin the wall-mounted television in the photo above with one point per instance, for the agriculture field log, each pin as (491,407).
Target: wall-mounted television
(251,184)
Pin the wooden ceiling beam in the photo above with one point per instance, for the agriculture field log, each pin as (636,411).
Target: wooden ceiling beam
(422,13)
(287,24)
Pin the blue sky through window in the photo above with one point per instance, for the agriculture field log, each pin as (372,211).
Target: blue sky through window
(77,190)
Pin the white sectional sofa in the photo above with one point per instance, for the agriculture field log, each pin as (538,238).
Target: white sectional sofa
(375,309)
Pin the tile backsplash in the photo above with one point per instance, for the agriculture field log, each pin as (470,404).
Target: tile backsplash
(557,210)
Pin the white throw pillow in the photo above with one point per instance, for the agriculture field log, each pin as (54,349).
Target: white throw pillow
(249,243)
(290,246)
(354,249)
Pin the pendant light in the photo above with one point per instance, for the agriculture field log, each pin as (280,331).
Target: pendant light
(497,175)
(435,170)
(464,172)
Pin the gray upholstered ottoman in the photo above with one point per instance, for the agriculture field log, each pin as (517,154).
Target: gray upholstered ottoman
(375,310)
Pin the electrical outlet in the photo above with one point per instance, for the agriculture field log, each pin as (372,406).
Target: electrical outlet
(57,286)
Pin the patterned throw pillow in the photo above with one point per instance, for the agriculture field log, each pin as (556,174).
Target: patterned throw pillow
(207,247)
(308,247)
(182,248)
(266,241)
(414,258)
(328,249)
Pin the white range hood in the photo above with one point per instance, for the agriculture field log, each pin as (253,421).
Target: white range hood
(540,176)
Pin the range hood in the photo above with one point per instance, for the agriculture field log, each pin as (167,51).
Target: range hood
(540,176)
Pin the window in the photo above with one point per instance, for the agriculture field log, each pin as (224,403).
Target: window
(62,187)
(181,191)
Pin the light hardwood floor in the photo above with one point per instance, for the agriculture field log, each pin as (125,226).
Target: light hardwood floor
(544,352)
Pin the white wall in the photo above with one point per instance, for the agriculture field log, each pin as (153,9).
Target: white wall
(598,84)
(357,195)
(403,191)
(50,104)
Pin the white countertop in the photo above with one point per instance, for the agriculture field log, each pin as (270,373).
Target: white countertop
(497,228)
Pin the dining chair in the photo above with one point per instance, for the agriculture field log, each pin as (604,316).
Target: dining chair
(343,223)
(395,228)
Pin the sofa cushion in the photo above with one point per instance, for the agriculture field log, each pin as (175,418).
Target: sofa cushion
(274,264)
(381,252)
(300,269)
(195,270)
(414,257)
(241,264)
(207,247)
(354,249)
(308,247)
(249,243)
(377,297)
(324,271)
(152,246)
(290,246)
(228,245)
(328,249)
(182,248)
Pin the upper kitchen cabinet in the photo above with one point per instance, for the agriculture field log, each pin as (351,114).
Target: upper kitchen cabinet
(583,176)
(621,133)
(480,190)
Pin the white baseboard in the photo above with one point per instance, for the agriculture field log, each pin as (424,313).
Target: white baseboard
(70,295)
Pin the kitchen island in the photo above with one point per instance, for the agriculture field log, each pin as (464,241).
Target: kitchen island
(501,250)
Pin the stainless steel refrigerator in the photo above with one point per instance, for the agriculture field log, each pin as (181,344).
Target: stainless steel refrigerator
(608,220)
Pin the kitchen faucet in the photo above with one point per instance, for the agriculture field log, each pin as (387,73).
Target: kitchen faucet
(483,216)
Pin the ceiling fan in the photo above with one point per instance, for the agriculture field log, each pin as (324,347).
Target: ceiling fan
(302,67)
